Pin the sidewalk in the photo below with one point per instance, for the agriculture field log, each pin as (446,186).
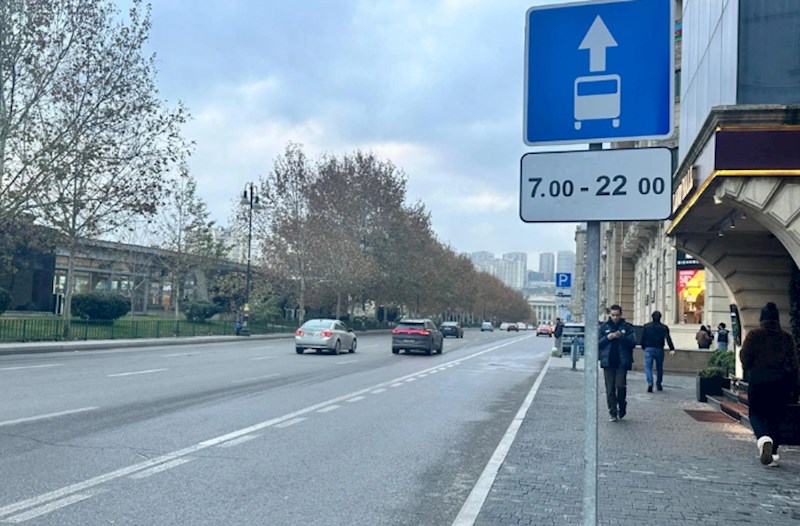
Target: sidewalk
(658,466)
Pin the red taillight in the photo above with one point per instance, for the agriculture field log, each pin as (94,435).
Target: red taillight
(396,331)
(327,333)
(298,332)
(422,332)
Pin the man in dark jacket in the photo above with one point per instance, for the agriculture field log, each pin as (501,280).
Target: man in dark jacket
(616,342)
(653,336)
(769,355)
(557,332)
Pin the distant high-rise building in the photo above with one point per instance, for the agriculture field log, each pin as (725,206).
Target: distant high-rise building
(519,279)
(483,262)
(566,261)
(547,265)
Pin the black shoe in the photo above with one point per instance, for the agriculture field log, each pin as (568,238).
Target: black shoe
(622,410)
(649,388)
(659,388)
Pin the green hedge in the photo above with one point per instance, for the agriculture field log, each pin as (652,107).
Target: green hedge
(100,306)
(200,311)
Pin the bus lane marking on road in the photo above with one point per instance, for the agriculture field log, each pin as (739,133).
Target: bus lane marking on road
(240,440)
(21,367)
(44,417)
(291,422)
(105,478)
(162,467)
(132,373)
(53,506)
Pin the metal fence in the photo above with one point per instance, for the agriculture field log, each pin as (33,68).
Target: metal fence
(50,329)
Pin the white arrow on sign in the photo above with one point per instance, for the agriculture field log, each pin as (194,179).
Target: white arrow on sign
(596,40)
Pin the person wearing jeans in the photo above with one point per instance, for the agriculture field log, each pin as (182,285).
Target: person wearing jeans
(654,334)
(616,341)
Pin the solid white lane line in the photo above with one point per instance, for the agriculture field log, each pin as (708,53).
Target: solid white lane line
(137,372)
(376,391)
(355,399)
(43,417)
(328,409)
(237,441)
(273,375)
(53,506)
(161,467)
(472,506)
(291,422)
(128,470)
(347,361)
(263,358)
(179,354)
(21,367)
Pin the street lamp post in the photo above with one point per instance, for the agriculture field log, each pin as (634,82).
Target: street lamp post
(250,199)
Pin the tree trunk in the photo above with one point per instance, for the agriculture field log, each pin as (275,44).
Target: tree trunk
(70,285)
(338,304)
(301,303)
(176,294)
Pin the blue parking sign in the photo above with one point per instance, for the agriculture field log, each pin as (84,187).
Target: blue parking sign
(599,71)
(563,280)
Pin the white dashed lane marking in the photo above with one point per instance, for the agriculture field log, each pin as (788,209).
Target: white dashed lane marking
(44,417)
(162,467)
(149,371)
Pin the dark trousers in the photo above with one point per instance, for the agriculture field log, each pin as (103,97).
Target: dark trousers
(616,389)
(768,395)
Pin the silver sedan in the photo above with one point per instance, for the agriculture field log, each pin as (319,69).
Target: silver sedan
(328,335)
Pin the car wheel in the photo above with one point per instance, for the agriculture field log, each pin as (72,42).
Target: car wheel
(353,347)
(299,350)
(337,348)
(396,351)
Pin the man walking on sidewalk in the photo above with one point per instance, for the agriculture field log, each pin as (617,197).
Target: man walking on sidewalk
(653,336)
(616,342)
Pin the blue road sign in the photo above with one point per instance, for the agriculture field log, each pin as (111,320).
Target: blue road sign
(599,71)
(563,280)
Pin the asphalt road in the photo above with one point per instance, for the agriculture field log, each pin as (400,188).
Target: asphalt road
(249,432)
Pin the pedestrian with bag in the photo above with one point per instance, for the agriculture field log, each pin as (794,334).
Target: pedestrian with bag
(616,341)
(654,334)
(704,338)
(769,356)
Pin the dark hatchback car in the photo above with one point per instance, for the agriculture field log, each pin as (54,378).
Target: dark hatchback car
(452,328)
(417,335)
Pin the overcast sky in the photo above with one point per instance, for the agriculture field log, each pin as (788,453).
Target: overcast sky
(435,86)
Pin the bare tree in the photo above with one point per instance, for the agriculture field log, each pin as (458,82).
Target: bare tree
(283,226)
(187,231)
(100,136)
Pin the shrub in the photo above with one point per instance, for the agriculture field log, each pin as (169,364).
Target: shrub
(200,311)
(100,305)
(711,372)
(5,300)
(723,359)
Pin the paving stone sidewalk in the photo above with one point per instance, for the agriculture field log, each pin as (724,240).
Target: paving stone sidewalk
(658,466)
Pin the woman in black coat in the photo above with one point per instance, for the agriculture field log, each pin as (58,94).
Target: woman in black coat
(769,355)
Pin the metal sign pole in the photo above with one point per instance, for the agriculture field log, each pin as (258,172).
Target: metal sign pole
(590,353)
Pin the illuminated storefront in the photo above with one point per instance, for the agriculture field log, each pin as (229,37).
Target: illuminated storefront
(691,282)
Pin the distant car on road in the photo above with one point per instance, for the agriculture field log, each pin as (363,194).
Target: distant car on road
(324,335)
(417,335)
(512,327)
(504,326)
(544,330)
(522,326)
(487,326)
(452,328)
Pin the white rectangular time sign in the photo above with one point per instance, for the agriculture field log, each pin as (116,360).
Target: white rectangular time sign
(596,185)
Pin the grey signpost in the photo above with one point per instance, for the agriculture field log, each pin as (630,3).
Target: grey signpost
(574,95)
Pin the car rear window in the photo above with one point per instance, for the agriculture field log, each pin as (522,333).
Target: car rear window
(450,324)
(411,326)
(317,324)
